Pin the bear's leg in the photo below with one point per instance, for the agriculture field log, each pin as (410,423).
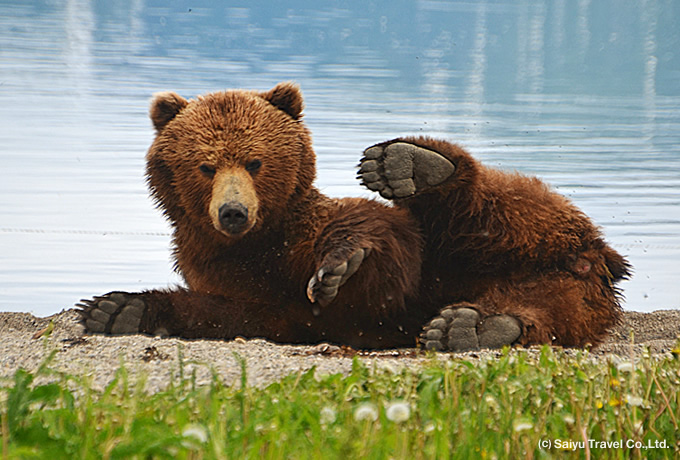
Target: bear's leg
(190,314)
(556,308)
(460,327)
(367,254)
(402,169)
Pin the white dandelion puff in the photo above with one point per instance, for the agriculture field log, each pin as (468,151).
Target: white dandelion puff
(327,415)
(522,425)
(637,427)
(398,412)
(196,433)
(625,366)
(366,411)
(634,400)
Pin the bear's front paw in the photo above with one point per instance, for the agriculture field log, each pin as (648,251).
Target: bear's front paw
(401,169)
(333,273)
(113,313)
(460,329)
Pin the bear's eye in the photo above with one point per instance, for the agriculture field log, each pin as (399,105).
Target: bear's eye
(253,166)
(207,170)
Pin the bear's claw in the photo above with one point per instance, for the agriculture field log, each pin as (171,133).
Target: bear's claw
(113,313)
(460,329)
(401,169)
(323,286)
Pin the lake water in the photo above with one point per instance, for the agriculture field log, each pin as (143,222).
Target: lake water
(584,94)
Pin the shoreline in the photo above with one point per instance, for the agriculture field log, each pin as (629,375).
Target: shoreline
(25,344)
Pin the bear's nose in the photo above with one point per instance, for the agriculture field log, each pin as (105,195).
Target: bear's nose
(233,217)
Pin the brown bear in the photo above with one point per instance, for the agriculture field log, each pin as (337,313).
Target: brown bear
(463,257)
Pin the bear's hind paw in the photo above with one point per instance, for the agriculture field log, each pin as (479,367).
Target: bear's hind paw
(113,313)
(401,169)
(460,329)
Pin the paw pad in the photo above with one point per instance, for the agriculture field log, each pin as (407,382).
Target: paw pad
(460,329)
(401,169)
(113,313)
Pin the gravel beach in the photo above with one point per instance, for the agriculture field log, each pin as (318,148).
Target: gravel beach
(25,343)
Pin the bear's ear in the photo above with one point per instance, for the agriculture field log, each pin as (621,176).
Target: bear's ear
(287,97)
(164,107)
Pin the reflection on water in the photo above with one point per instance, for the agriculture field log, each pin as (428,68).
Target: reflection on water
(583,94)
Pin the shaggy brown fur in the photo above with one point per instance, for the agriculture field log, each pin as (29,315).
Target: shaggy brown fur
(509,245)
(233,172)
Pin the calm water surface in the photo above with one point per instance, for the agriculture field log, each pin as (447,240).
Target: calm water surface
(584,94)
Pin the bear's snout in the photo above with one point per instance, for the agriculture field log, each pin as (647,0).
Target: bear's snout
(234,205)
(233,217)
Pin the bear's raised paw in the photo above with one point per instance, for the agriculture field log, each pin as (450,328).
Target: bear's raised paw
(460,329)
(401,169)
(112,313)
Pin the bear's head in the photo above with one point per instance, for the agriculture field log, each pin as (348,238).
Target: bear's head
(230,161)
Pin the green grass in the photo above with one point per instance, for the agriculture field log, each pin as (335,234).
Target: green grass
(497,408)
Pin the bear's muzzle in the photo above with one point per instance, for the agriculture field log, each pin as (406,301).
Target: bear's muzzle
(233,217)
(234,205)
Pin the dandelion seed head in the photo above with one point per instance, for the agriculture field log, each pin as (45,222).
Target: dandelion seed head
(634,400)
(196,432)
(522,425)
(366,411)
(398,412)
(625,366)
(637,427)
(327,415)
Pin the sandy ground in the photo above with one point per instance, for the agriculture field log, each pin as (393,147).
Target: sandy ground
(24,343)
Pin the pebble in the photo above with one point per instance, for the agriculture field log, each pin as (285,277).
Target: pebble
(266,362)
